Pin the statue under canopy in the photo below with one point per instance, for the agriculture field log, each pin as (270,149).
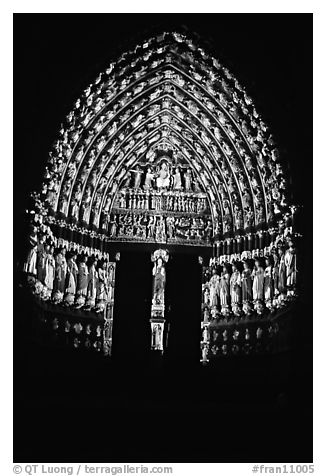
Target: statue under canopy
(163,179)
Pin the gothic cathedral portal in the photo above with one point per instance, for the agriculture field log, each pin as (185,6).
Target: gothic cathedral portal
(164,224)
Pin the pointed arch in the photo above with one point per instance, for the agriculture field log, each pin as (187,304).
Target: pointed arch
(167,88)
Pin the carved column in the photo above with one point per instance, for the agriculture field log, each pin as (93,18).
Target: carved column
(157,320)
(219,249)
(240,241)
(261,239)
(250,242)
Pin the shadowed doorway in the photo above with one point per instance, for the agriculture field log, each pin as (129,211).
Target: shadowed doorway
(183,295)
(131,328)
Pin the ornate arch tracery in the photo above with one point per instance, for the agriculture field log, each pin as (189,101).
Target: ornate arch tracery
(166,95)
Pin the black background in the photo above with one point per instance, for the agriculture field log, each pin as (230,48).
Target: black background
(69,407)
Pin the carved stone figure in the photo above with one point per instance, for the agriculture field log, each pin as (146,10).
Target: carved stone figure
(160,234)
(157,336)
(163,179)
(49,270)
(30,264)
(268,282)
(64,197)
(281,274)
(151,227)
(74,209)
(149,178)
(71,281)
(82,282)
(101,287)
(225,291)
(188,180)
(41,260)
(235,288)
(159,282)
(291,268)
(214,287)
(246,279)
(137,176)
(205,334)
(258,282)
(170,227)
(113,227)
(206,314)
(177,183)
(91,285)
(86,205)
(60,275)
(204,354)
(206,297)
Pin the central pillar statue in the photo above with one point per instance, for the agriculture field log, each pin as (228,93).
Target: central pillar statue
(157,320)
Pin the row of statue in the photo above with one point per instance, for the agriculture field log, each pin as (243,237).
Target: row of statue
(160,228)
(78,335)
(218,335)
(217,341)
(40,229)
(75,280)
(162,201)
(242,288)
(161,177)
(74,145)
(209,352)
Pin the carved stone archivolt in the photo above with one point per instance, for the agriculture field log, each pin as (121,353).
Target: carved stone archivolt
(166,131)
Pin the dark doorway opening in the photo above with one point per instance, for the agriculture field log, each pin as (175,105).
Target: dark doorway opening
(131,327)
(183,296)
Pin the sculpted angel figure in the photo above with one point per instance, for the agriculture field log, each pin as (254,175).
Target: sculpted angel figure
(137,176)
(188,180)
(177,183)
(149,179)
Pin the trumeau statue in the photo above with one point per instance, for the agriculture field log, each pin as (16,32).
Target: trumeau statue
(159,282)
